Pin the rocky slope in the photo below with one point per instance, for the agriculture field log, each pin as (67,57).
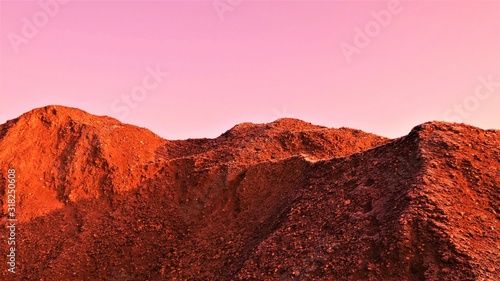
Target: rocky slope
(100,200)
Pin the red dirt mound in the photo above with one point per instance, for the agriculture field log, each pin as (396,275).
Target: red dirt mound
(100,200)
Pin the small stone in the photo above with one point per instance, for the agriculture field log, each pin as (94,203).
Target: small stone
(347,202)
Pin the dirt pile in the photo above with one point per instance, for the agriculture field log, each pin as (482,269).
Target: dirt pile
(100,200)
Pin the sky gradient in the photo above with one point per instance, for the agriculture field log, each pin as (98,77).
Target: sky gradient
(379,66)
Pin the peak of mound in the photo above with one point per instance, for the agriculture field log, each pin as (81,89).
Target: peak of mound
(68,154)
(453,138)
(53,115)
(462,130)
(278,126)
(248,143)
(291,124)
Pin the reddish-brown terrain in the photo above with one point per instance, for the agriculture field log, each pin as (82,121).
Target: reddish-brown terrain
(100,200)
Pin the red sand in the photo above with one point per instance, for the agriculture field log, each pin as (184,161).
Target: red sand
(101,200)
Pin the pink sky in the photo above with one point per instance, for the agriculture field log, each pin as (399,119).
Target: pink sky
(256,62)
